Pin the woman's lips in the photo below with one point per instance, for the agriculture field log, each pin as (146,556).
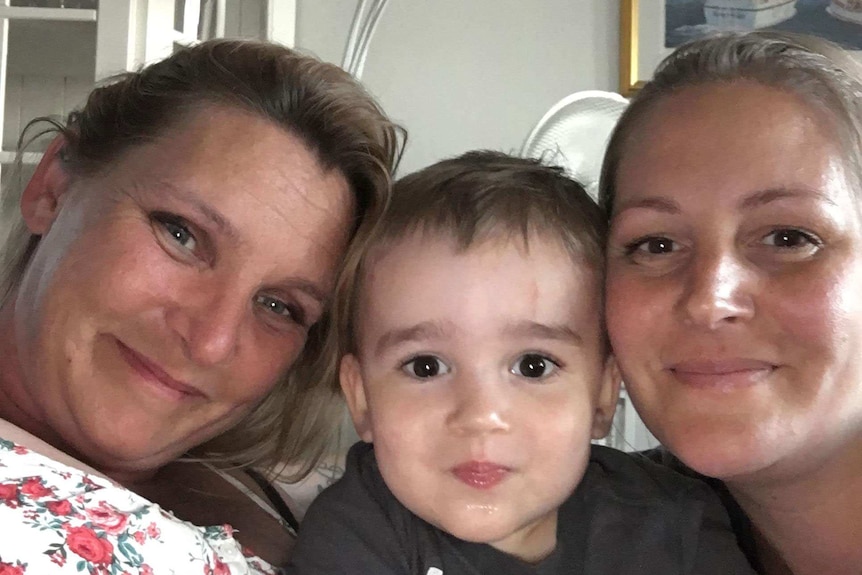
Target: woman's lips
(722,375)
(155,374)
(480,474)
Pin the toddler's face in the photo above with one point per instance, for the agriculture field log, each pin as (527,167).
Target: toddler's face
(481,379)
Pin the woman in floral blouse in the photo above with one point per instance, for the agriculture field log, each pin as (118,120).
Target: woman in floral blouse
(163,289)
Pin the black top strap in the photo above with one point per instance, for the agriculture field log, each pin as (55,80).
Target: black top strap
(275,498)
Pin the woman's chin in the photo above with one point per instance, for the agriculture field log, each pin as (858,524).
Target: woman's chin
(121,455)
(722,453)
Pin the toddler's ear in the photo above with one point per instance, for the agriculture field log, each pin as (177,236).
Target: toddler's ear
(606,399)
(350,376)
(41,200)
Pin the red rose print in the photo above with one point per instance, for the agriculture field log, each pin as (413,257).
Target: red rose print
(146,569)
(140,537)
(9,494)
(84,542)
(59,507)
(153,531)
(220,569)
(58,558)
(34,489)
(20,450)
(9,569)
(89,484)
(106,517)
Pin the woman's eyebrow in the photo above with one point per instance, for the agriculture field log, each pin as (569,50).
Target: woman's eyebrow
(307,287)
(192,198)
(767,196)
(650,202)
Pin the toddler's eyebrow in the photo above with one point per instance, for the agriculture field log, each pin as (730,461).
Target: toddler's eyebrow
(437,330)
(560,332)
(420,331)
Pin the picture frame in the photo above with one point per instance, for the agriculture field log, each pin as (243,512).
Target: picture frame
(630,78)
(643,35)
(641,42)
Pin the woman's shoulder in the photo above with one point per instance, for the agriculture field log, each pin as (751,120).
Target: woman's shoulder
(739,521)
(638,475)
(666,460)
(59,518)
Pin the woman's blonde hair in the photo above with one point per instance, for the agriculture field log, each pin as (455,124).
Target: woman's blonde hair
(826,77)
(318,102)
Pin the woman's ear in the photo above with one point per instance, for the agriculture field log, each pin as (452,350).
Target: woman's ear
(353,387)
(41,200)
(606,399)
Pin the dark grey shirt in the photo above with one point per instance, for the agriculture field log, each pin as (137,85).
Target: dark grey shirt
(628,516)
(739,521)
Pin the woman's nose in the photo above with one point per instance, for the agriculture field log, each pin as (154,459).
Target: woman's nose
(208,324)
(480,407)
(718,290)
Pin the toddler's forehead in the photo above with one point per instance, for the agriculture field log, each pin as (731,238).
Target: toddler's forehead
(422,243)
(499,238)
(432,280)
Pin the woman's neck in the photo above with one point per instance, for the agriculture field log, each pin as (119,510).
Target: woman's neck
(812,520)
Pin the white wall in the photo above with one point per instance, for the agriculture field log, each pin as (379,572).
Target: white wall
(464,74)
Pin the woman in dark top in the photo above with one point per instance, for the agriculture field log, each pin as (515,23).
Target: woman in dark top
(734,294)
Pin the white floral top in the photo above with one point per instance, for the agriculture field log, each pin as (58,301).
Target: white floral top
(55,519)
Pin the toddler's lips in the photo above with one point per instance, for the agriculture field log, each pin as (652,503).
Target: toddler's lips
(480,474)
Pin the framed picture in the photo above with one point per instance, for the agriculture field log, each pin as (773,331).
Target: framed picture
(650,29)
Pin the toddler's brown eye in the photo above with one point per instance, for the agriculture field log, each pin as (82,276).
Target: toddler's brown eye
(425,366)
(534,366)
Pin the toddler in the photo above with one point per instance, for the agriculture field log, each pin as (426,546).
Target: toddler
(477,372)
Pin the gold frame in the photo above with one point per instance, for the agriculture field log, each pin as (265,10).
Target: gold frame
(629,81)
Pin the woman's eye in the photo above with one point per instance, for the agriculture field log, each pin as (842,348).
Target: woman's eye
(790,238)
(279,308)
(424,367)
(651,245)
(177,228)
(534,366)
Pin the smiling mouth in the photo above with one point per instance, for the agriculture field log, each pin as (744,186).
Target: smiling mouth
(481,474)
(155,375)
(724,375)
